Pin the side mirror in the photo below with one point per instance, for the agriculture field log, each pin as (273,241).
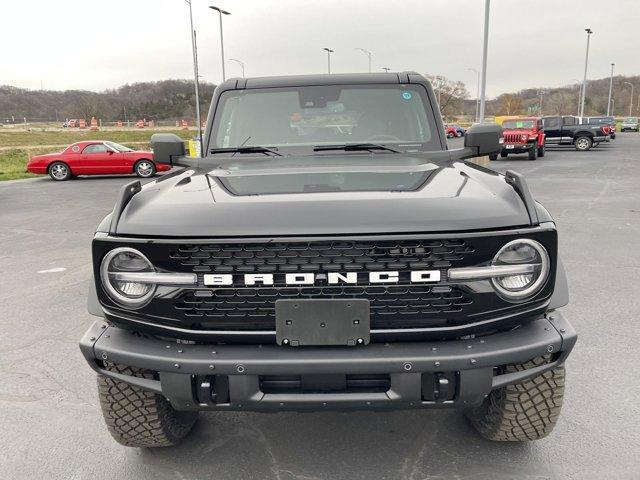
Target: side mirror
(167,147)
(484,139)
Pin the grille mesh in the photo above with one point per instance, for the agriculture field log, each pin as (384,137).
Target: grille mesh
(392,305)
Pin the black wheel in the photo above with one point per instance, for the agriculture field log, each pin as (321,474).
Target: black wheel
(524,411)
(493,156)
(533,153)
(144,168)
(449,135)
(541,151)
(583,143)
(138,418)
(59,171)
(504,154)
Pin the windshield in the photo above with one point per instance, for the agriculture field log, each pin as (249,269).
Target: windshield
(518,124)
(325,115)
(118,147)
(600,120)
(632,120)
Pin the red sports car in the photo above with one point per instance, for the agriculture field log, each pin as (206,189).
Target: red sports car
(95,158)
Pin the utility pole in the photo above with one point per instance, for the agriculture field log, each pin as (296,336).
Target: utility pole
(541,93)
(368,54)
(477,91)
(584,79)
(485,46)
(195,76)
(329,52)
(221,12)
(386,69)
(610,88)
(630,97)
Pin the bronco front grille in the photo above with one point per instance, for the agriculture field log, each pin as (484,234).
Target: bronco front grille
(238,307)
(392,306)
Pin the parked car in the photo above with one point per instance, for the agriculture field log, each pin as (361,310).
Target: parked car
(95,158)
(629,123)
(567,130)
(522,135)
(610,121)
(451,131)
(293,270)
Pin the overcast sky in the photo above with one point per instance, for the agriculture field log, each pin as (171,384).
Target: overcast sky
(86,44)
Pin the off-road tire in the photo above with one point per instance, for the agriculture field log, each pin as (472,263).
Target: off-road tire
(541,151)
(524,411)
(493,156)
(583,143)
(533,153)
(138,418)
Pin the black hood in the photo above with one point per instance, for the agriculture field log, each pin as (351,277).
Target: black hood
(324,195)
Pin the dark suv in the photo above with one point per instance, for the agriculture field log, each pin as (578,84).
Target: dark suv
(328,252)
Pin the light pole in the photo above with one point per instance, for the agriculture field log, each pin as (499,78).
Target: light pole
(368,54)
(485,46)
(239,62)
(386,69)
(477,91)
(584,79)
(630,97)
(221,12)
(610,88)
(613,106)
(541,93)
(329,52)
(195,76)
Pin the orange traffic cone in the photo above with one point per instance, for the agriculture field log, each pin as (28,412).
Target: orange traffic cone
(119,124)
(185,125)
(83,123)
(94,124)
(140,124)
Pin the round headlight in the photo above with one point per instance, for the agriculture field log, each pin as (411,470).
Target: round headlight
(523,252)
(129,294)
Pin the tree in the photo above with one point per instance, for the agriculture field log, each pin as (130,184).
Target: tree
(510,104)
(450,94)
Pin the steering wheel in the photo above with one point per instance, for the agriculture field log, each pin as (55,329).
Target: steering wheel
(383,137)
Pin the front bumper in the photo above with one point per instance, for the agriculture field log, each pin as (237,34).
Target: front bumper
(518,147)
(420,375)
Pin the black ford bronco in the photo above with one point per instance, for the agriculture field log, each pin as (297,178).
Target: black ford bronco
(327,252)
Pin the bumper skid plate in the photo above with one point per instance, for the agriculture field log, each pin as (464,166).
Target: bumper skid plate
(418,374)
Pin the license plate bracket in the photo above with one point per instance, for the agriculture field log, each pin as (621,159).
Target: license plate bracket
(323,322)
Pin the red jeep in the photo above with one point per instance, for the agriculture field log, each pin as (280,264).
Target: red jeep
(522,135)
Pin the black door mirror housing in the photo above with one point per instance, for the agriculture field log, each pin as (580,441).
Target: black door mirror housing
(483,139)
(167,148)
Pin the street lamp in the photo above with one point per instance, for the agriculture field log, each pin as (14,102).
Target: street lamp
(477,91)
(386,69)
(239,62)
(610,88)
(221,12)
(195,75)
(368,54)
(584,79)
(541,93)
(329,52)
(613,106)
(630,98)
(485,47)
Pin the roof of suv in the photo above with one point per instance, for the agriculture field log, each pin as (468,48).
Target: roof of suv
(320,79)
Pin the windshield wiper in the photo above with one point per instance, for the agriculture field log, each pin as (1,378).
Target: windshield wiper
(250,149)
(350,147)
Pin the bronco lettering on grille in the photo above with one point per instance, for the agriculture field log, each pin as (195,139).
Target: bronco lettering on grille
(332,278)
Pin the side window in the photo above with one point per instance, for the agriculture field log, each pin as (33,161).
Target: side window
(568,120)
(551,122)
(95,148)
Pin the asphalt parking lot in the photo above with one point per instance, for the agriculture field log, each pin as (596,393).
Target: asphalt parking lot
(50,422)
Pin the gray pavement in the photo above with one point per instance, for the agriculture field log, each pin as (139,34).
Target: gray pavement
(50,422)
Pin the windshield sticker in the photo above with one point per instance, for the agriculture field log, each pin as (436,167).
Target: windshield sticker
(406,95)
(75,148)
(519,124)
